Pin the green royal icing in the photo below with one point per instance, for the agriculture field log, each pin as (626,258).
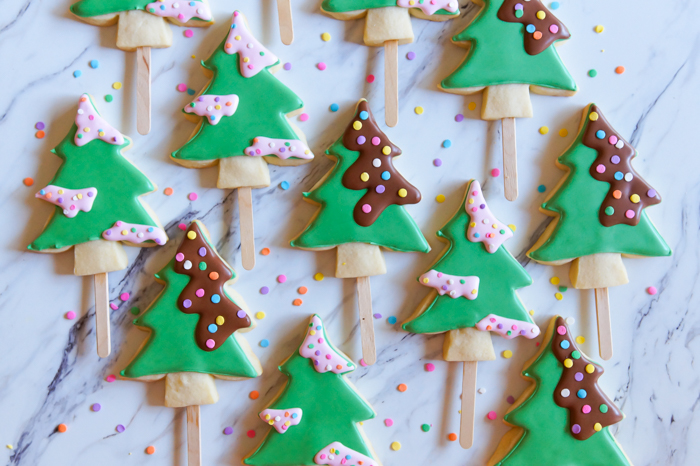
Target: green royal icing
(88,8)
(340,6)
(545,438)
(577,201)
(119,184)
(264,103)
(499,274)
(334,224)
(331,409)
(171,346)
(497,56)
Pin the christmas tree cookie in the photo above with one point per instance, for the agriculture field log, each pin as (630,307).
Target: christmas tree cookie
(321,429)
(360,209)
(388,24)
(242,123)
(194,329)
(598,210)
(141,26)
(97,193)
(473,291)
(564,418)
(511,52)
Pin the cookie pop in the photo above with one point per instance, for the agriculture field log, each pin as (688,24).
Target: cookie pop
(141,26)
(97,193)
(388,24)
(598,210)
(242,123)
(284,12)
(474,287)
(194,330)
(361,208)
(511,52)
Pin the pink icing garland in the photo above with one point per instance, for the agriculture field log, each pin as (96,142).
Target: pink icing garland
(451,284)
(213,106)
(281,419)
(71,200)
(282,148)
(324,357)
(337,454)
(92,126)
(430,7)
(508,328)
(253,56)
(183,10)
(122,231)
(484,227)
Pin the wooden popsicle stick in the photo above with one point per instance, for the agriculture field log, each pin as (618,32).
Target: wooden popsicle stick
(245,210)
(466,425)
(143,90)
(364,295)
(510,160)
(602,305)
(101,284)
(391,82)
(194,437)
(284,11)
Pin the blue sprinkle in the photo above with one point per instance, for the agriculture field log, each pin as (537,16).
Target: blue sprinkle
(541,188)
(213,118)
(190,91)
(391,320)
(477,235)
(347,457)
(564,344)
(530,28)
(334,107)
(295,415)
(284,185)
(581,393)
(264,343)
(150,229)
(215,298)
(162,7)
(554,6)
(191,3)
(94,64)
(386,175)
(364,115)
(600,134)
(77,73)
(318,327)
(446,143)
(619,176)
(212,328)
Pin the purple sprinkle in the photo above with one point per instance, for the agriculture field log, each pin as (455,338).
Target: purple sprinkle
(317,353)
(411,55)
(108,232)
(282,149)
(287,66)
(510,399)
(228,430)
(200,99)
(202,251)
(459,117)
(615,159)
(96,407)
(120,428)
(437,162)
(315,362)
(651,193)
(264,290)
(576,429)
(482,206)
(380,188)
(187,304)
(90,194)
(241,314)
(578,376)
(59,200)
(217,98)
(377,316)
(444,287)
(40,125)
(361,140)
(500,326)
(523,332)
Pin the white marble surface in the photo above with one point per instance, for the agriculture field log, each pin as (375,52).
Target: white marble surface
(50,373)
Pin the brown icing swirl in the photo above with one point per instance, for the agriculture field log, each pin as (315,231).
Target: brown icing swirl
(628,193)
(546,28)
(374,170)
(219,317)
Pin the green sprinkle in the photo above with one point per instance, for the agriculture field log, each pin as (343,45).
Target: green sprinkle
(192,104)
(109,98)
(518,13)
(133,229)
(592,73)
(202,266)
(609,210)
(603,408)
(563,289)
(462,281)
(425,427)
(135,310)
(575,355)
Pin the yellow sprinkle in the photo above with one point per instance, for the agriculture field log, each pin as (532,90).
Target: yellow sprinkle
(474,291)
(440,198)
(599,29)
(125,232)
(593,116)
(325,37)
(554,280)
(494,226)
(364,176)
(191,234)
(634,198)
(218,107)
(512,227)
(426,280)
(403,192)
(193,57)
(237,37)
(267,417)
(260,315)
(396,446)
(473,224)
(559,296)
(271,421)
(357,125)
(60,191)
(9,446)
(87,130)
(507,354)
(418,110)
(318,277)
(568,363)
(563,132)
(580,339)
(117,85)
(532,313)
(597,427)
(541,15)
(386,150)
(590,368)
(544,130)
(246,60)
(220,320)
(80,196)
(101,133)
(471,200)
(312,332)
(472,106)
(287,423)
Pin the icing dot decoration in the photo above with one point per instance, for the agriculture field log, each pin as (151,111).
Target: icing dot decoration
(317,348)
(253,56)
(282,419)
(87,117)
(484,227)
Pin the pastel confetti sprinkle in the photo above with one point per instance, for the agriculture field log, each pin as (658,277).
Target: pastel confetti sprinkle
(544,129)
(109,98)
(228,430)
(377,315)
(402,387)
(250,434)
(391,320)
(388,422)
(563,132)
(318,277)
(264,290)
(117,85)
(363,363)
(396,446)
(111,378)
(334,107)
(325,37)
(559,296)
(135,310)
(297,302)
(321,66)
(563,289)
(554,280)
(28,181)
(620,69)
(284,185)
(287,66)
(437,162)
(459,117)
(94,64)
(302,290)
(168,191)
(507,354)
(77,73)
(440,198)
(429,367)
(182,226)
(446,143)
(411,55)
(265,251)
(120,428)
(554,6)
(580,339)
(192,196)
(40,125)
(96,407)
(452,437)
(599,29)
(425,427)
(495,172)
(265,343)
(281,278)
(124,296)
(188,33)
(510,399)
(113,306)
(652,290)
(260,315)
(541,188)
(62,428)
(492,415)
(182,87)
(418,110)
(70,315)
(370,78)
(592,73)
(303,117)
(254,395)
(472,106)
(150,450)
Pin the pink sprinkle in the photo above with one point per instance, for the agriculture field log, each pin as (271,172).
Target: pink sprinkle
(586,409)
(612,140)
(600,168)
(124,296)
(388,422)
(281,278)
(70,315)
(111,378)
(182,87)
(370,78)
(492,415)
(179,257)
(113,306)
(629,214)
(430,367)
(652,290)
(495,172)
(180,16)
(553,28)
(363,363)
(192,196)
(376,141)
(561,330)
(304,117)
(366,208)
(199,292)
(189,33)
(321,66)
(210,343)
(182,227)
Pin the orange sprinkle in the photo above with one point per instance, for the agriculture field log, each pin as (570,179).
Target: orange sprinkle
(28,181)
(303,290)
(62,428)
(254,395)
(452,437)
(620,69)
(297,302)
(150,450)
(617,194)
(168,191)
(83,99)
(214,276)
(537,35)
(40,134)
(402,387)
(265,251)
